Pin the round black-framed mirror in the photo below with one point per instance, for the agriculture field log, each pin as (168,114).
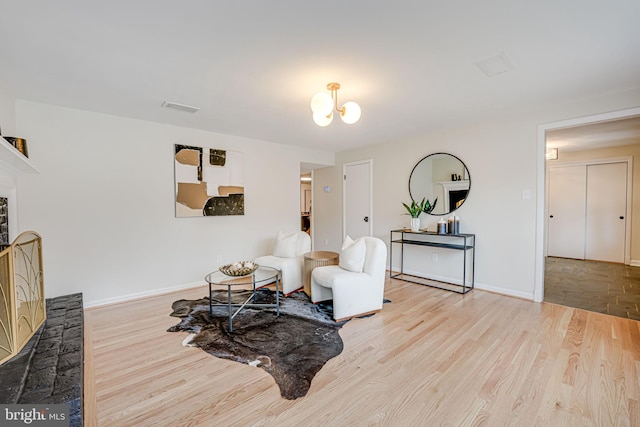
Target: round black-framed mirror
(442,176)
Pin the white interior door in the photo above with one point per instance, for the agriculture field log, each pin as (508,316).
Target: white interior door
(606,212)
(357,201)
(567,211)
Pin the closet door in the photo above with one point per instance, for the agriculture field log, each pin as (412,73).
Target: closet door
(606,212)
(567,211)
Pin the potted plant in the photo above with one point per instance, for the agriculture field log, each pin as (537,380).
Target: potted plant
(415,209)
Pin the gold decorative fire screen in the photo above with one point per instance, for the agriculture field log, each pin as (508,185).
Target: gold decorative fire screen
(22,303)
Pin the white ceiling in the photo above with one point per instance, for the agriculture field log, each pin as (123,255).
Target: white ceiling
(253,65)
(596,135)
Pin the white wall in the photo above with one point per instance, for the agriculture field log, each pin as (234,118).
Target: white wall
(104,203)
(7,111)
(502,158)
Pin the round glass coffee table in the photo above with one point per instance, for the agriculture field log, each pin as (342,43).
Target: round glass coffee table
(259,278)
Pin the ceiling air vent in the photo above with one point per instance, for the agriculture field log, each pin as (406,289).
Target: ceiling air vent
(495,65)
(180,107)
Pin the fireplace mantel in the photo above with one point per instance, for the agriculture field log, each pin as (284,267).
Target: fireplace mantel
(13,162)
(449,186)
(12,165)
(455,185)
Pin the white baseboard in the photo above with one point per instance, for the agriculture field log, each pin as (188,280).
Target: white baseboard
(507,292)
(430,276)
(138,295)
(489,288)
(634,263)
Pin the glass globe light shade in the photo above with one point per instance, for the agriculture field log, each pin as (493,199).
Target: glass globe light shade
(322,119)
(322,103)
(351,112)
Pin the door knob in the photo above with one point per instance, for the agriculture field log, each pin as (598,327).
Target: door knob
(366,219)
(550,216)
(621,217)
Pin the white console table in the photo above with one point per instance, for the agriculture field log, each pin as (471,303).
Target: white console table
(456,242)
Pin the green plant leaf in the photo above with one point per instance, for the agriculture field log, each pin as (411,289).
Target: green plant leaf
(415,209)
(429,207)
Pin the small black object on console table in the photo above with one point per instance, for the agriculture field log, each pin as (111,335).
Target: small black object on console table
(457,242)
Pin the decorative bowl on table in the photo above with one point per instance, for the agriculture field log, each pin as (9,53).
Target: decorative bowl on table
(239,268)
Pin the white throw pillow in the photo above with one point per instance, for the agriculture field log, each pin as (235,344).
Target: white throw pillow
(353,254)
(285,245)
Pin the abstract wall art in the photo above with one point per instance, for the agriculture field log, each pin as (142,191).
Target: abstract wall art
(208,181)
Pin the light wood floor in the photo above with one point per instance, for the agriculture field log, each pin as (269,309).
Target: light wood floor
(430,358)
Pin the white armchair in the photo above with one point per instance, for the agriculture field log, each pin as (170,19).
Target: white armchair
(356,285)
(288,258)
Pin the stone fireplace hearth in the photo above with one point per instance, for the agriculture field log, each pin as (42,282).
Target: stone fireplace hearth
(49,368)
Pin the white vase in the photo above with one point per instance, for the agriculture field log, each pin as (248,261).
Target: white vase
(415,224)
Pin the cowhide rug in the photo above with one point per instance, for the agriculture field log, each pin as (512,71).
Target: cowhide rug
(292,348)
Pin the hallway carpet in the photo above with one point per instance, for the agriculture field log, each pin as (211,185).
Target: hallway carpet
(593,285)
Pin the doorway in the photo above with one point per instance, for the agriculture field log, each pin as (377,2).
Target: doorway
(602,286)
(305,202)
(358,197)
